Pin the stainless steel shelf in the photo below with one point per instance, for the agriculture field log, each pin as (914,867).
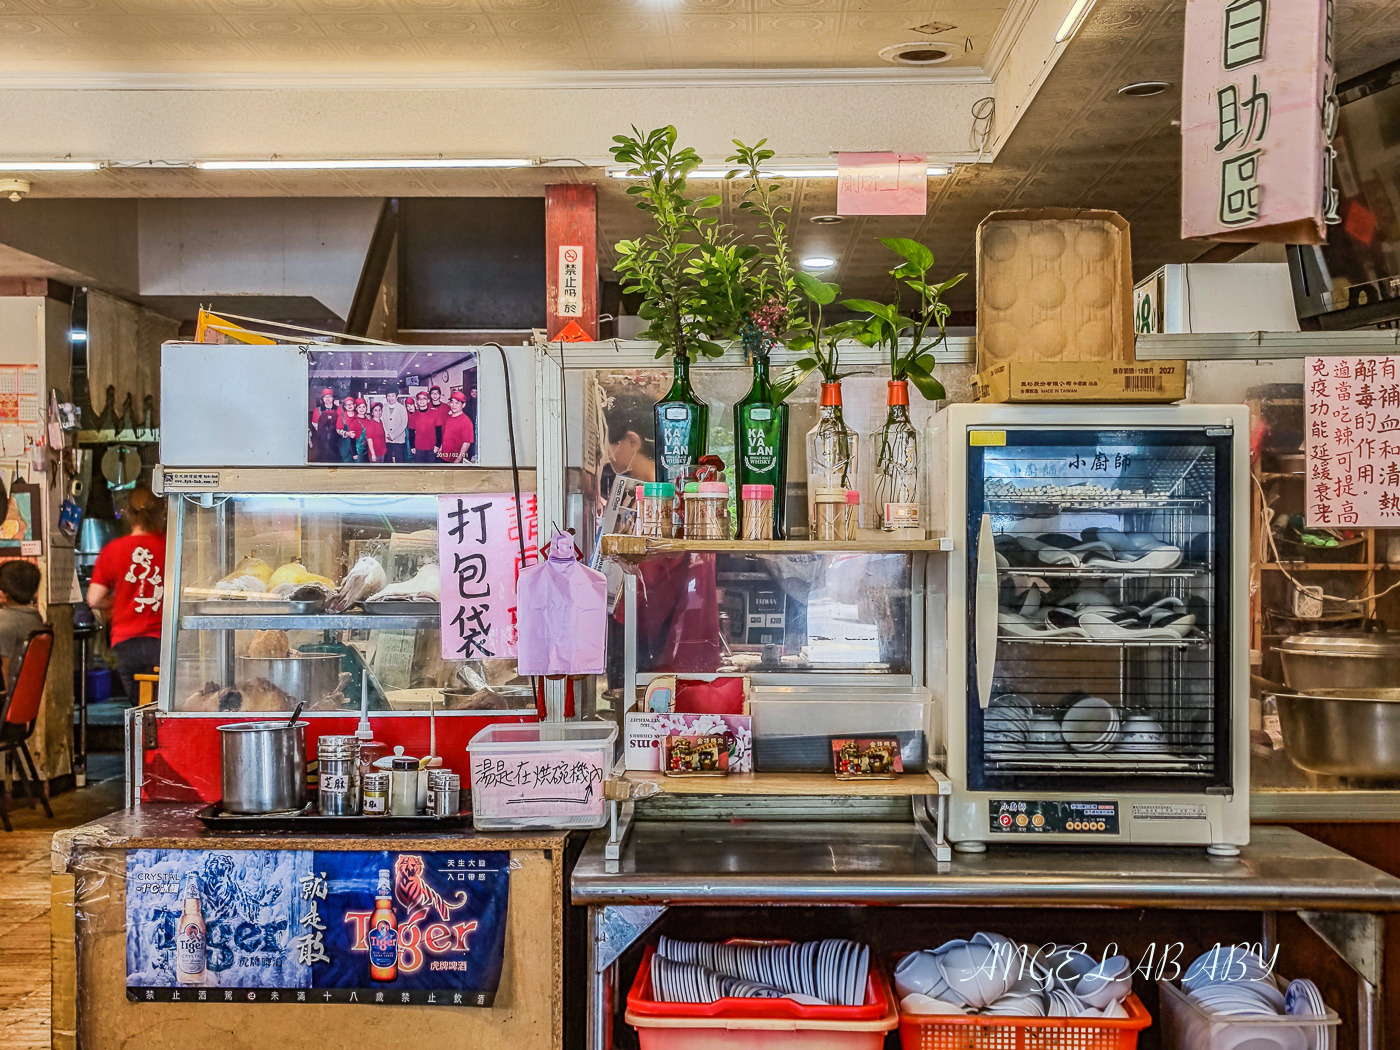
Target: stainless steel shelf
(1103,643)
(715,864)
(319,622)
(1051,571)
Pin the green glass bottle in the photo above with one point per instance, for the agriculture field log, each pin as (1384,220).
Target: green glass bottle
(760,444)
(682,425)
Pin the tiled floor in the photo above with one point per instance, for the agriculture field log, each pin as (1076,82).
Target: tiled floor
(24,901)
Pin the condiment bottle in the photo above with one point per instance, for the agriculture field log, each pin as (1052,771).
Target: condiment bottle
(403,787)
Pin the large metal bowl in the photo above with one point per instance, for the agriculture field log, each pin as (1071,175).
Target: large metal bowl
(306,676)
(1342,736)
(1358,660)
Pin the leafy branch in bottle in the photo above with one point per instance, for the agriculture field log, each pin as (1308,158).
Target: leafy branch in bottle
(661,266)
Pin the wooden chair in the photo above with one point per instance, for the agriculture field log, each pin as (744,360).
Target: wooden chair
(21,715)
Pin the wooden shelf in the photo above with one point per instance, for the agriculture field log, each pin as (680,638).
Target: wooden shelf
(645,785)
(620,546)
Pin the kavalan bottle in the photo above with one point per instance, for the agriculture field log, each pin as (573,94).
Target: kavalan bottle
(682,426)
(383,933)
(191,936)
(760,444)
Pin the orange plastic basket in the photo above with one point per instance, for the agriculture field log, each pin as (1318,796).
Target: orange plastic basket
(970,1032)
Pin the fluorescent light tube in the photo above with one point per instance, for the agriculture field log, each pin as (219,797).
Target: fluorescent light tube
(351,165)
(1072,20)
(49,165)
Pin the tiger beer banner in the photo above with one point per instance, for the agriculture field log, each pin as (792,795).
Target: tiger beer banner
(303,926)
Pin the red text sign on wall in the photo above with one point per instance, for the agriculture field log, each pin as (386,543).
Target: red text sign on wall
(882,184)
(1257,114)
(1353,442)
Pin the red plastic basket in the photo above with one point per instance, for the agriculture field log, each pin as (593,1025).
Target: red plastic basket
(751,1023)
(971,1032)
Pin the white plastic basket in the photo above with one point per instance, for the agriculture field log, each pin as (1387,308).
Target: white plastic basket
(1186,1025)
(541,775)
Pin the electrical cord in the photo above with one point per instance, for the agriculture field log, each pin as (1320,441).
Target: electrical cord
(1309,588)
(514,459)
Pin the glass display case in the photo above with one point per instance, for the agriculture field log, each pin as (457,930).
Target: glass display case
(319,586)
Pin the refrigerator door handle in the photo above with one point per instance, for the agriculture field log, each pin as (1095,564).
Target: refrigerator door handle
(986,610)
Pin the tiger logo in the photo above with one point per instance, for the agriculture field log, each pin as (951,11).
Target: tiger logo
(411,889)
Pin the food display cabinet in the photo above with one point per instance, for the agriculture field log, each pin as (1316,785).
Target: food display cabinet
(313,585)
(1097,648)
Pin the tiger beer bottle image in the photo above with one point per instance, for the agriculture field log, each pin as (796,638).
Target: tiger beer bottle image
(190,937)
(383,933)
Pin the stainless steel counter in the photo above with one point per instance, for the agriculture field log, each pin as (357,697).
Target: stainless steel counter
(676,863)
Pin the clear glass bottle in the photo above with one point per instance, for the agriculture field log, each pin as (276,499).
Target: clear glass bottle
(682,425)
(760,444)
(833,450)
(897,463)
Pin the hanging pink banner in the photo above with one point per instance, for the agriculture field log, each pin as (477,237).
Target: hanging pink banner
(1353,443)
(882,184)
(1257,116)
(479,562)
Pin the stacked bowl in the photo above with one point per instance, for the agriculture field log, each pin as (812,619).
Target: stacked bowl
(993,976)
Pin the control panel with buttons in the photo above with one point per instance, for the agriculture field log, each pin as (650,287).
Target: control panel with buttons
(1031,817)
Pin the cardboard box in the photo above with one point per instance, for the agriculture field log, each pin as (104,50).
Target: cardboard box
(1045,382)
(1053,284)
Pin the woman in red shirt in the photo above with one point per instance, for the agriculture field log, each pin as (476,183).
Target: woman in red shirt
(128,583)
(376,444)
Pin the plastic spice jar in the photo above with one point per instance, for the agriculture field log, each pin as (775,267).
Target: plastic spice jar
(852,513)
(831,514)
(758,512)
(375,794)
(706,511)
(656,512)
(403,787)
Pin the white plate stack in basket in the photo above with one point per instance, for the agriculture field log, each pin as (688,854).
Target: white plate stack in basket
(1229,1000)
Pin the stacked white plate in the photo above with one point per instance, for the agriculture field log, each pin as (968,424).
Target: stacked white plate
(1235,986)
(830,972)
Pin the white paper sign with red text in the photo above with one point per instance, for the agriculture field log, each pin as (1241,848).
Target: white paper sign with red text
(1353,442)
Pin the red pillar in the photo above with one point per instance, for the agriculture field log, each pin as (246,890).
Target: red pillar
(571,260)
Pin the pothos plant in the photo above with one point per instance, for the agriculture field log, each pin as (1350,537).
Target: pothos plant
(670,267)
(885,324)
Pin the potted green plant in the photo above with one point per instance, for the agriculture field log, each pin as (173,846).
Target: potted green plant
(885,326)
(759,290)
(667,268)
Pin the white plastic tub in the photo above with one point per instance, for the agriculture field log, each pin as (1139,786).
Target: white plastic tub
(545,775)
(1186,1025)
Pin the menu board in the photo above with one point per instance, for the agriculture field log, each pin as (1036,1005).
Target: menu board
(299,926)
(1353,442)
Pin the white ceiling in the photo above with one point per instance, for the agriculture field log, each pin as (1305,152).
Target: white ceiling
(484,35)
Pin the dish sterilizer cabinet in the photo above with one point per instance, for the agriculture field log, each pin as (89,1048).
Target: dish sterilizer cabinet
(1097,656)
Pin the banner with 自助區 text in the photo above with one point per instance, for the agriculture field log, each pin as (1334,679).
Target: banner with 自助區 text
(1258,112)
(298,926)
(479,557)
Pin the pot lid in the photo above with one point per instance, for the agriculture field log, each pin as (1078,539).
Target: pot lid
(1343,643)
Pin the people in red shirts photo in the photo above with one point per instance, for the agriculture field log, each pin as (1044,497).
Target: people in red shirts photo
(128,585)
(457,431)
